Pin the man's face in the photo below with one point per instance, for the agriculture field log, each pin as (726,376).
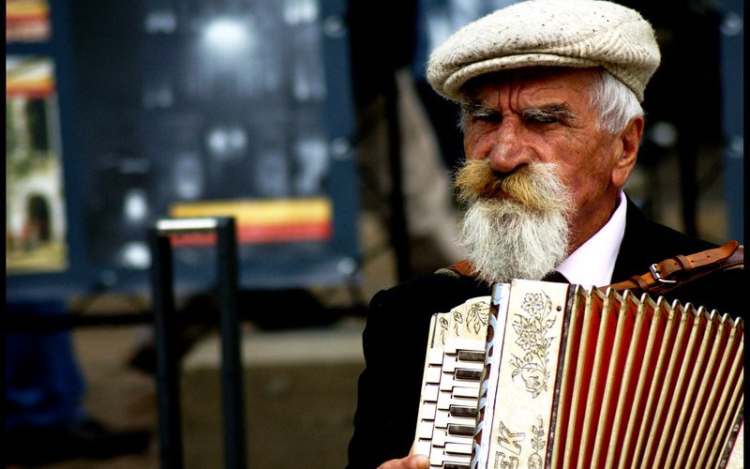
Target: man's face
(544,115)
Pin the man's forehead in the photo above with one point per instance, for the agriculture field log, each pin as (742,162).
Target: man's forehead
(551,80)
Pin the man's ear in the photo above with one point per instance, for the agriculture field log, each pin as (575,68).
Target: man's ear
(630,139)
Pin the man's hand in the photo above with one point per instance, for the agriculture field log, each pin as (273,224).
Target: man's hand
(415,461)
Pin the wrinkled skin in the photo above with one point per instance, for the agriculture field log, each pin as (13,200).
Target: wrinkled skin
(545,115)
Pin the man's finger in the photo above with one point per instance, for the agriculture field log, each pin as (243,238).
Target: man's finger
(416,461)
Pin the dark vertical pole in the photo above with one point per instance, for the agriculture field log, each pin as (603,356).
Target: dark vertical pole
(398,220)
(733,118)
(231,353)
(165,339)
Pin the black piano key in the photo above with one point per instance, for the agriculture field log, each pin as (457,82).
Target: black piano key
(464,430)
(474,375)
(462,411)
(455,465)
(470,356)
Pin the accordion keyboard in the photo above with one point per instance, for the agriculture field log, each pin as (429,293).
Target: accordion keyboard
(450,387)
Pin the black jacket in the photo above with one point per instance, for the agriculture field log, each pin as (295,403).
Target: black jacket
(395,338)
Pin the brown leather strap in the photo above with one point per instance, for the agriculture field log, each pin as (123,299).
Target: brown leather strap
(464,267)
(679,270)
(665,275)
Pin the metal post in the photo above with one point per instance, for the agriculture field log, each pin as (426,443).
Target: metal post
(231,353)
(165,342)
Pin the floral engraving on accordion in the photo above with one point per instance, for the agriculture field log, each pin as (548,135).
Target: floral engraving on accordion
(532,329)
(443,335)
(536,461)
(477,316)
(458,320)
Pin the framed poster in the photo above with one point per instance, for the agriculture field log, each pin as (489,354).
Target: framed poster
(27,21)
(181,109)
(35,203)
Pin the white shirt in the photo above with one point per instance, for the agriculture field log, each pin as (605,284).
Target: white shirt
(594,262)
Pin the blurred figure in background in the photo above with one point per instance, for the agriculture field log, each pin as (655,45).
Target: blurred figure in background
(45,419)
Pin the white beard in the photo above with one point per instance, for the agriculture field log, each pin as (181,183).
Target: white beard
(506,240)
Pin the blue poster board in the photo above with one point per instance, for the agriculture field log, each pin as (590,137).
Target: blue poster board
(182,109)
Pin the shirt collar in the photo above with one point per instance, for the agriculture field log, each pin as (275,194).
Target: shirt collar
(594,261)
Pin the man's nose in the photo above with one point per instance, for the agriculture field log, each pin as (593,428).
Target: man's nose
(511,150)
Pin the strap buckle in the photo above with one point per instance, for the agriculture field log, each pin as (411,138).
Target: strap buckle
(654,269)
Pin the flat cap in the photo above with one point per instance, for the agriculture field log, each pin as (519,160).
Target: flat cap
(563,33)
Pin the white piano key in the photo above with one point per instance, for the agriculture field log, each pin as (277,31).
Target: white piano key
(447,398)
(442,419)
(435,356)
(423,447)
(428,411)
(433,374)
(457,448)
(448,382)
(426,429)
(466,391)
(440,438)
(430,393)
(454,344)
(449,363)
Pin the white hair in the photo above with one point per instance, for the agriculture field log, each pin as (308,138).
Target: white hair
(507,239)
(615,103)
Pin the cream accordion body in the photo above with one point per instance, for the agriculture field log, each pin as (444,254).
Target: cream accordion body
(550,375)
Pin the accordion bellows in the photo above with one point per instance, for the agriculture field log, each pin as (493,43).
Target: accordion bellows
(550,375)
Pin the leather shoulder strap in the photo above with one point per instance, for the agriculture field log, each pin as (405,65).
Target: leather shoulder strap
(679,270)
(663,276)
(464,268)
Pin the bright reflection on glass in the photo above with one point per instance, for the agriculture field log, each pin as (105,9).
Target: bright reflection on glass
(163,21)
(227,35)
(158,96)
(312,160)
(226,142)
(300,11)
(271,177)
(136,205)
(135,255)
(188,177)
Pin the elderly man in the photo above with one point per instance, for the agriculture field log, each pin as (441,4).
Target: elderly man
(550,93)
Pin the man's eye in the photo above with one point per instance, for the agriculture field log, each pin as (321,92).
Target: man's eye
(543,119)
(490,118)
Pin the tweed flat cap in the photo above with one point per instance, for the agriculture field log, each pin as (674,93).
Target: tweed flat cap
(563,33)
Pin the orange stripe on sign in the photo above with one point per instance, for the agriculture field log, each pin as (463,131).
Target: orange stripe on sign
(32,92)
(263,234)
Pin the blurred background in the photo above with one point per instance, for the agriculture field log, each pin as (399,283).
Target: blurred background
(311,123)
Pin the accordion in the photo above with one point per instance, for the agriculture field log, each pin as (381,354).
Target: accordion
(551,375)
